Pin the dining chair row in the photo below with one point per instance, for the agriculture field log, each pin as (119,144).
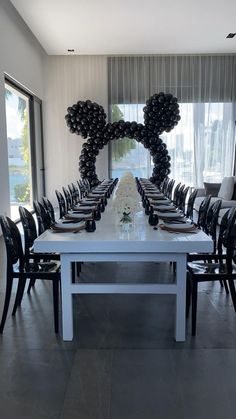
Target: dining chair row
(218,265)
(24,263)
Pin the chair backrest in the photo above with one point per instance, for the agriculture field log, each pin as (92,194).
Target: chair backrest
(49,208)
(44,220)
(190,204)
(202,213)
(176,191)
(225,238)
(72,195)
(210,227)
(68,198)
(87,184)
(182,197)
(164,185)
(12,239)
(170,188)
(179,195)
(61,203)
(212,218)
(77,192)
(29,228)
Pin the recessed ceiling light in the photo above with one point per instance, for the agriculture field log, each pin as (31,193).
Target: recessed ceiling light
(231,35)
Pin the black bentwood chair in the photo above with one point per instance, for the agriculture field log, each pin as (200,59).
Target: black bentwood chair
(19,267)
(49,208)
(222,268)
(190,204)
(30,234)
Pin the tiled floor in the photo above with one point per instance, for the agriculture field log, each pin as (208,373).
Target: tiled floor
(123,362)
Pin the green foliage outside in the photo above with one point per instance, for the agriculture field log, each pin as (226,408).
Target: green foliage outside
(120,147)
(22,192)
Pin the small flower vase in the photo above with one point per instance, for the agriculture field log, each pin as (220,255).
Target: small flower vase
(126,221)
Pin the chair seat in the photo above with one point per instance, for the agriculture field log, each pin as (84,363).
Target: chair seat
(210,268)
(41,267)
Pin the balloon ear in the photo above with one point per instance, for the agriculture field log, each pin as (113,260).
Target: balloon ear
(85,118)
(161,113)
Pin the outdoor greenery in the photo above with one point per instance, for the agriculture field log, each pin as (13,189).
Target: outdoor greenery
(22,192)
(120,147)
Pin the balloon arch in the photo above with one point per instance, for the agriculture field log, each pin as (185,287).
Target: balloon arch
(88,119)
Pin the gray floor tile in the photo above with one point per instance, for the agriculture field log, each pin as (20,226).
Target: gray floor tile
(123,362)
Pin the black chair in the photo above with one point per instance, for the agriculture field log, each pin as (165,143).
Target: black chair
(49,208)
(43,218)
(74,192)
(163,187)
(61,203)
(190,204)
(169,189)
(68,198)
(180,192)
(182,198)
(202,213)
(210,270)
(210,228)
(30,235)
(83,187)
(19,267)
(176,194)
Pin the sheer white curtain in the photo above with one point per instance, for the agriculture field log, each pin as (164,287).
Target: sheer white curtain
(67,80)
(202,145)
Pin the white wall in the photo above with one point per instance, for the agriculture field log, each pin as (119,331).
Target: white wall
(67,80)
(59,82)
(21,57)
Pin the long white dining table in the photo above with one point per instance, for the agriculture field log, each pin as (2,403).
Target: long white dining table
(110,243)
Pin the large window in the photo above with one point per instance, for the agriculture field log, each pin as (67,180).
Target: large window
(21,119)
(201,146)
(127,153)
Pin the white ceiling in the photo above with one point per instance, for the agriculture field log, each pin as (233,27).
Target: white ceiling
(131,26)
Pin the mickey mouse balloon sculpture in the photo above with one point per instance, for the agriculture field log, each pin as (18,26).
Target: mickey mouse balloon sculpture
(88,119)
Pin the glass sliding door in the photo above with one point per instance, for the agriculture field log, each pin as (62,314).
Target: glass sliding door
(127,154)
(25,152)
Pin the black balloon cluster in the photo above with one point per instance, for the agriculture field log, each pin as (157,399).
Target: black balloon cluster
(88,119)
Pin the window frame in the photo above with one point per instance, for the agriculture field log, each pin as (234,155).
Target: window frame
(8,80)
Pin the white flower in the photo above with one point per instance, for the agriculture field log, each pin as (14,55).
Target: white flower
(126,196)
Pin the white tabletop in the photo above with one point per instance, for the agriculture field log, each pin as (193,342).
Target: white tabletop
(109,237)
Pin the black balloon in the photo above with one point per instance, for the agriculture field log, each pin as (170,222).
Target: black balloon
(88,119)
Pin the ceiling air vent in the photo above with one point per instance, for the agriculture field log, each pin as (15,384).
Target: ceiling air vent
(231,35)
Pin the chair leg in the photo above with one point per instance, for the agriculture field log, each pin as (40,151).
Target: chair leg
(232,292)
(78,268)
(73,272)
(19,295)
(31,284)
(225,286)
(55,285)
(188,295)
(194,307)
(6,303)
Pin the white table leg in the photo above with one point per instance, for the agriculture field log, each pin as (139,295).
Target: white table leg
(180,298)
(66,299)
